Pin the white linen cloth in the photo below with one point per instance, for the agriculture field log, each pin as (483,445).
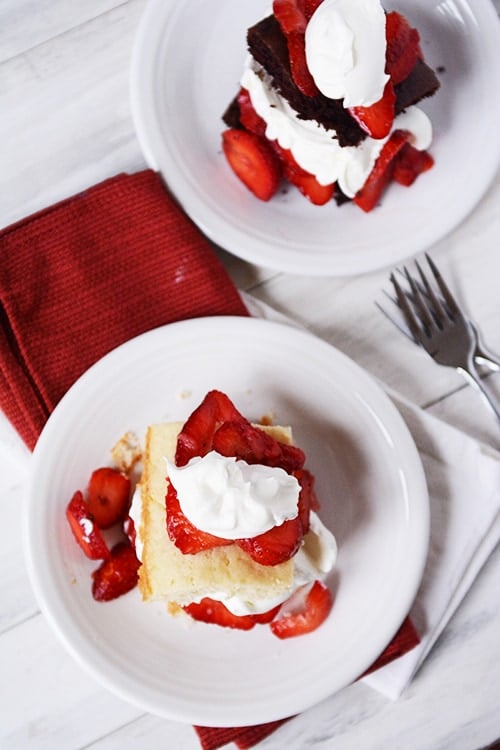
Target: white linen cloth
(463,479)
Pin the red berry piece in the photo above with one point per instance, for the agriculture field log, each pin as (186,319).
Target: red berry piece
(304,181)
(252,160)
(183,533)
(307,497)
(108,496)
(300,72)
(381,174)
(275,546)
(251,444)
(317,606)
(84,528)
(403,47)
(409,164)
(377,119)
(310,6)
(195,438)
(249,118)
(316,193)
(129,530)
(117,575)
(291,17)
(213,611)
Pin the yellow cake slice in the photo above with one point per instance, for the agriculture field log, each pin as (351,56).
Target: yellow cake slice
(168,575)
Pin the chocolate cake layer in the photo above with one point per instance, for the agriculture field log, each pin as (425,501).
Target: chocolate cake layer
(268,46)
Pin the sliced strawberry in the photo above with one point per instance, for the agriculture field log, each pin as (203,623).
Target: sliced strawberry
(304,181)
(252,160)
(117,575)
(290,15)
(248,443)
(377,119)
(108,496)
(275,546)
(409,163)
(84,528)
(195,438)
(403,47)
(381,174)
(311,188)
(310,6)
(129,530)
(307,498)
(300,72)
(238,438)
(248,116)
(183,533)
(213,611)
(317,606)
(268,616)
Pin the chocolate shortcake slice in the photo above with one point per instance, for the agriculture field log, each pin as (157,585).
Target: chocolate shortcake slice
(328,102)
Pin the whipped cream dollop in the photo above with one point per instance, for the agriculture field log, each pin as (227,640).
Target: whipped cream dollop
(231,498)
(315,148)
(345,50)
(315,558)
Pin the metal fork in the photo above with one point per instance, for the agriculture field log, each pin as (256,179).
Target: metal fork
(437,323)
(482,355)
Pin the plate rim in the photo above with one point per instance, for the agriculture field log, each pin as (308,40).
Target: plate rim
(52,611)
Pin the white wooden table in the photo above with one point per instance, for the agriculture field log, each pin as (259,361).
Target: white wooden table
(65,124)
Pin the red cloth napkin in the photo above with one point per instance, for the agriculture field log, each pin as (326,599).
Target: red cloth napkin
(87,274)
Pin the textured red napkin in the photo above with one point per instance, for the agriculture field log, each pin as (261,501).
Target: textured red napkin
(89,273)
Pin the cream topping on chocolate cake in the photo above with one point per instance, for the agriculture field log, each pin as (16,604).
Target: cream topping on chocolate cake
(267,45)
(345,50)
(314,147)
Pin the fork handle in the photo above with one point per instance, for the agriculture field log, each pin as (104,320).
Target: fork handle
(470,372)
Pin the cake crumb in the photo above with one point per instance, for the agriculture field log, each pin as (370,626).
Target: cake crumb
(267,419)
(127,452)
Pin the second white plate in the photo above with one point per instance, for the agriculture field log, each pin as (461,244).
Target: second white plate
(187,63)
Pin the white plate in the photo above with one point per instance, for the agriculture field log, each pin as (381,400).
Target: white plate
(369,479)
(187,62)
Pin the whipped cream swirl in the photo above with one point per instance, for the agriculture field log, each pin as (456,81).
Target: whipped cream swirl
(315,148)
(232,499)
(345,50)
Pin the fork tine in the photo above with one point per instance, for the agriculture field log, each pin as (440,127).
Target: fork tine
(419,301)
(408,313)
(449,298)
(437,308)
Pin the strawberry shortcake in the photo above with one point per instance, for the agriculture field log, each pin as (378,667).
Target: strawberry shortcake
(227,528)
(222,525)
